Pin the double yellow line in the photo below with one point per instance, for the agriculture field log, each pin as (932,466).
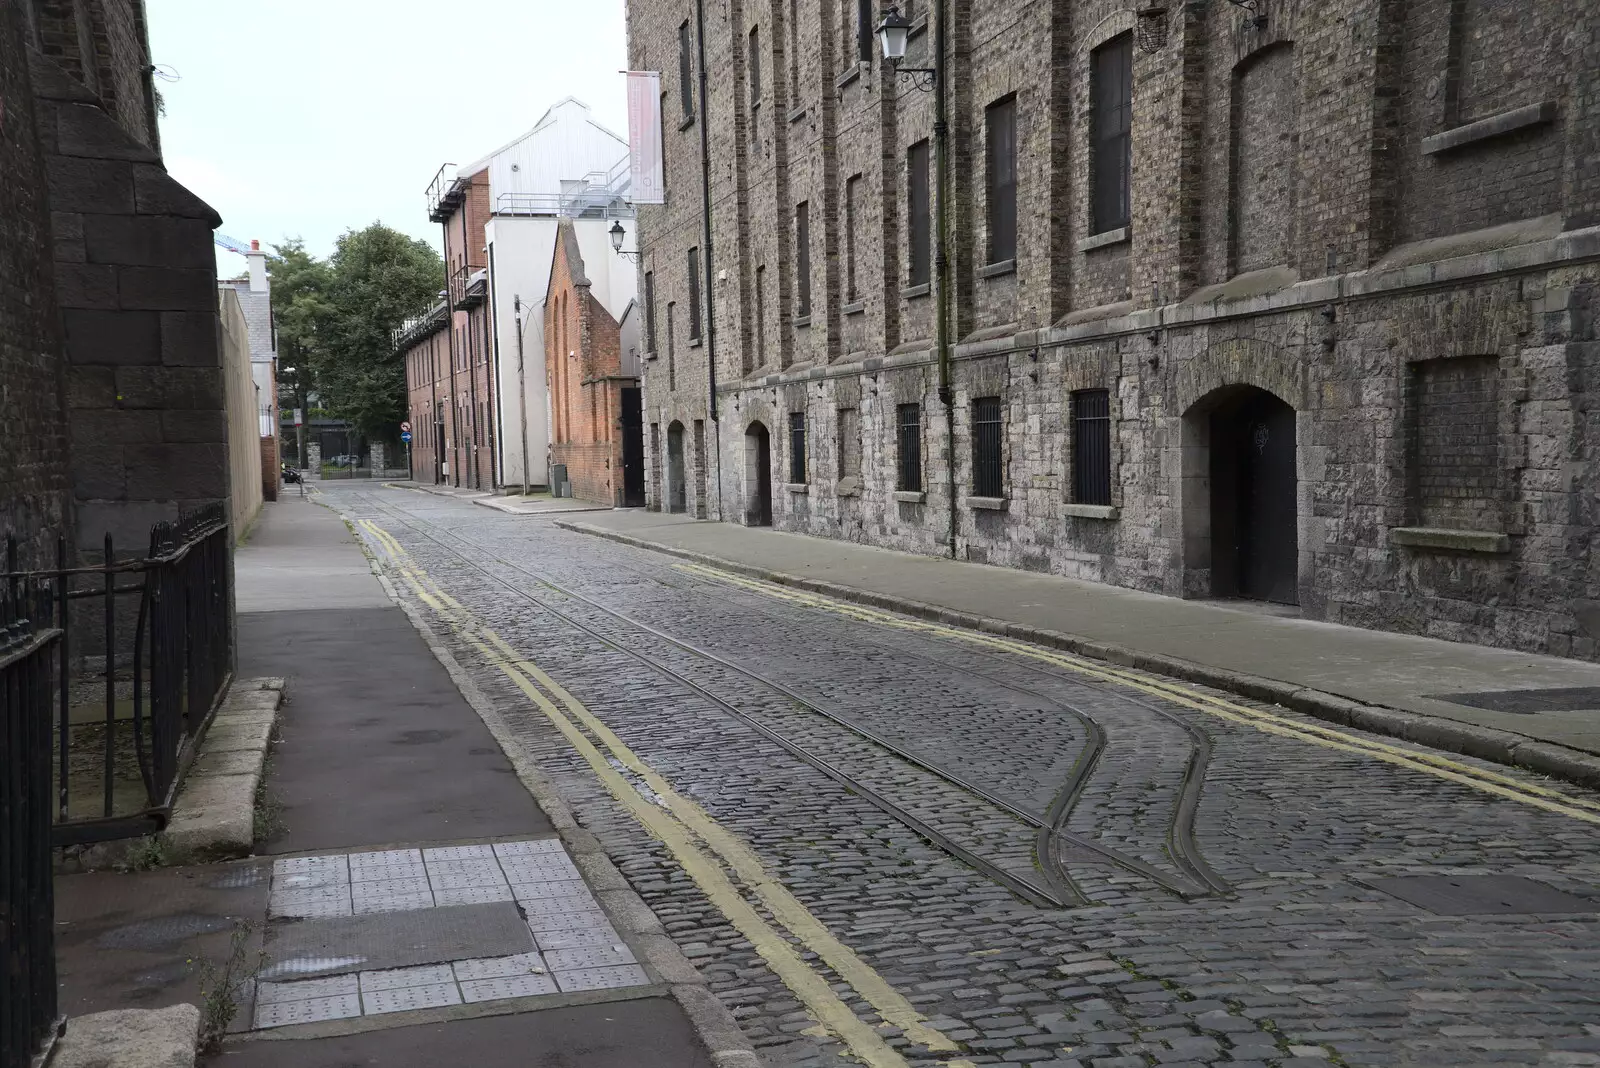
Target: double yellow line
(1476,778)
(711,855)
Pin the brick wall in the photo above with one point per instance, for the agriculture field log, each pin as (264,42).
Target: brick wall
(1325,147)
(583,357)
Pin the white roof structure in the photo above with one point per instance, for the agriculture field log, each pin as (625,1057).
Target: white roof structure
(565,146)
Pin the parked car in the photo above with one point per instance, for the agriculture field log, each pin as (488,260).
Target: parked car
(344,461)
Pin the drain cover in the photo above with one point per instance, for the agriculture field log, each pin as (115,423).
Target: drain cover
(1481,895)
(1528,702)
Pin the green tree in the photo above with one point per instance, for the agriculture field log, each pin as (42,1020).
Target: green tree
(378,278)
(302,312)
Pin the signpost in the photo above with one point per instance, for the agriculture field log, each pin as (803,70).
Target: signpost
(405,438)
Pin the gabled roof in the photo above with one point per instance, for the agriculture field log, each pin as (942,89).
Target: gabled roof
(567,243)
(548,119)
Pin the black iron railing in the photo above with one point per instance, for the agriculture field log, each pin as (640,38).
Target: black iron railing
(30,651)
(145,653)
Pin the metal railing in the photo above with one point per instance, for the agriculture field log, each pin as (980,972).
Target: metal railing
(468,285)
(30,650)
(145,654)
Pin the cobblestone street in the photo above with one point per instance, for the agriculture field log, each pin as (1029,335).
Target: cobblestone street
(968,850)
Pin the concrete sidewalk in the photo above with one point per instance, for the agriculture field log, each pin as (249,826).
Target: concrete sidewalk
(513,504)
(1390,683)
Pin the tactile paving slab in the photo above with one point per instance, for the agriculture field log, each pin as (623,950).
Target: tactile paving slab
(394,930)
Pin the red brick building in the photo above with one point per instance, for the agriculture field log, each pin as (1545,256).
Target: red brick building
(594,405)
(449,350)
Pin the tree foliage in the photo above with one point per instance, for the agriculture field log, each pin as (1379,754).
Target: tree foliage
(336,319)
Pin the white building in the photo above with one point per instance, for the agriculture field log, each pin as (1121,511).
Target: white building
(567,166)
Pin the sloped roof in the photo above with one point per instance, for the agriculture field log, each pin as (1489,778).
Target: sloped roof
(547,119)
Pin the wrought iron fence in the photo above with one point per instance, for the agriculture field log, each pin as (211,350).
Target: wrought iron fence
(30,650)
(145,654)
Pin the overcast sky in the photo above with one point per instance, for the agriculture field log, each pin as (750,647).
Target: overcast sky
(311,117)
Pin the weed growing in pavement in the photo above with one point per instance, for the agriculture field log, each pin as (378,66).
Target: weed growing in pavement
(267,810)
(222,984)
(146,853)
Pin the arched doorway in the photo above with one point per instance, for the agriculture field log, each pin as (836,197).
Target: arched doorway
(677,487)
(757,476)
(1241,441)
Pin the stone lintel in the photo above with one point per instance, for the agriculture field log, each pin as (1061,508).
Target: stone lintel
(1469,541)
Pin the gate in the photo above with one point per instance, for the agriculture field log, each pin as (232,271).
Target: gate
(30,656)
(632,448)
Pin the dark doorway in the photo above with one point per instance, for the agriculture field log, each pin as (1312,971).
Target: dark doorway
(677,489)
(1254,536)
(632,448)
(758,476)
(438,450)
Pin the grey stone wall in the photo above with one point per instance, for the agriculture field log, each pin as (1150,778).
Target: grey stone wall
(1310,221)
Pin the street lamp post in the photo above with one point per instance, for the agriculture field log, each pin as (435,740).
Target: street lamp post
(894,31)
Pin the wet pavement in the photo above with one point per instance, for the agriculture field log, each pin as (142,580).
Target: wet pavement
(912,845)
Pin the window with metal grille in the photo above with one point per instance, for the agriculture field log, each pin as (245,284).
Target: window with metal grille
(761,316)
(919,246)
(650,310)
(797,447)
(802,244)
(1091,446)
(908,418)
(849,442)
(672,354)
(1000,130)
(988,477)
(694,294)
(1110,133)
(685,70)
(852,219)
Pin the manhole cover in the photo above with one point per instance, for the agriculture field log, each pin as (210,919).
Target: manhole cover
(1479,895)
(1527,702)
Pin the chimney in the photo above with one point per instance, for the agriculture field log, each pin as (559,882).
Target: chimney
(258,267)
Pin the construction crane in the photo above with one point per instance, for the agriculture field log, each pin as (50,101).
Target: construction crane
(235,245)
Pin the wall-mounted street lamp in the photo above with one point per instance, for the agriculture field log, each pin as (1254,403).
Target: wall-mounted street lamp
(893,34)
(617,234)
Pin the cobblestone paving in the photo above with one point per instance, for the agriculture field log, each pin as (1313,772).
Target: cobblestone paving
(1299,964)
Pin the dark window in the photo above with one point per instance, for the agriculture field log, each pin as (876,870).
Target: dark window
(650,310)
(852,220)
(694,294)
(1091,446)
(794,53)
(685,70)
(988,479)
(864,30)
(755,66)
(849,442)
(802,244)
(672,355)
(797,447)
(1110,133)
(761,316)
(1000,128)
(909,420)
(919,252)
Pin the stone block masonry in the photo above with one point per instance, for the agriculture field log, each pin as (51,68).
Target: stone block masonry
(1354,296)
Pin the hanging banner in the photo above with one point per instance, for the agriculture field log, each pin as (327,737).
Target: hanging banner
(644,137)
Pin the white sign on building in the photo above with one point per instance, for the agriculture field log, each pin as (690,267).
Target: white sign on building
(644,137)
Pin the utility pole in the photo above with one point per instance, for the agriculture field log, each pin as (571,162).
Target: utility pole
(522,389)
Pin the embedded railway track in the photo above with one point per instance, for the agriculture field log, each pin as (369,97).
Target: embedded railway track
(1055,887)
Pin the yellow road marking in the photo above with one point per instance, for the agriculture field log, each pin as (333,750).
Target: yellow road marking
(678,825)
(1481,779)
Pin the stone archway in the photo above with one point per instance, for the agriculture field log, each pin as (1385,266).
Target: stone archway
(677,485)
(757,475)
(1240,496)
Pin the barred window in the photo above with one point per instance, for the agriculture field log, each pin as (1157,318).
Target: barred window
(1091,446)
(988,472)
(908,418)
(797,447)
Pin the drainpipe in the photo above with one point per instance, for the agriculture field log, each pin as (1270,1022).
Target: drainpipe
(522,388)
(705,211)
(941,137)
(472,373)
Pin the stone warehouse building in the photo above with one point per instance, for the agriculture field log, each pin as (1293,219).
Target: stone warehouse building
(1285,300)
(111,380)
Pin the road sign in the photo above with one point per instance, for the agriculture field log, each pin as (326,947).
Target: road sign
(405,436)
(405,428)
(299,417)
